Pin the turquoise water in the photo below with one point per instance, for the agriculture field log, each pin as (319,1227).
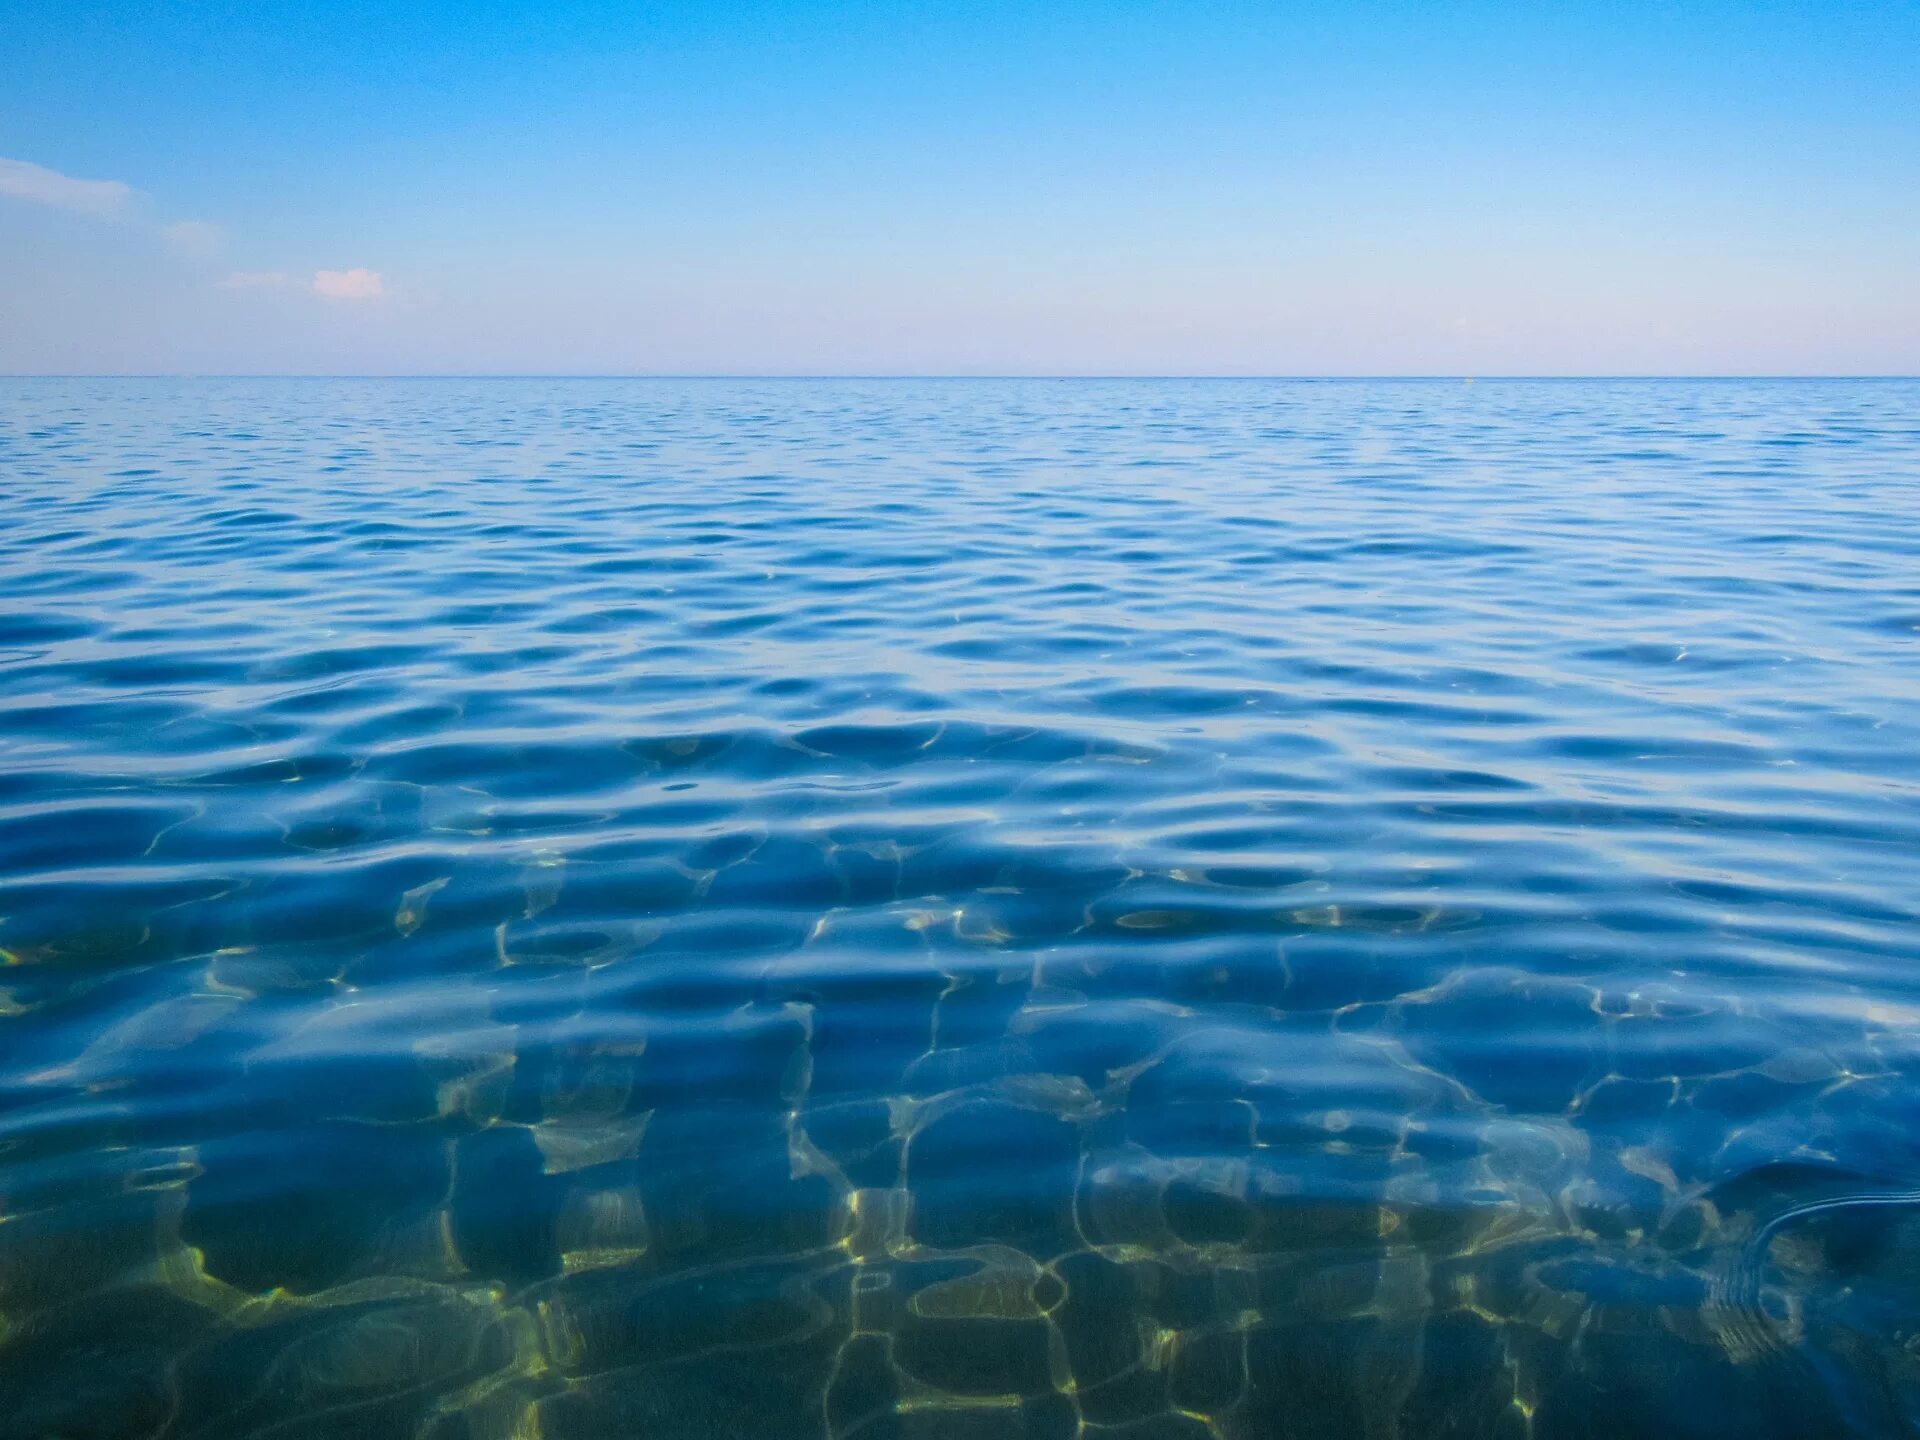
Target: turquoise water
(946,909)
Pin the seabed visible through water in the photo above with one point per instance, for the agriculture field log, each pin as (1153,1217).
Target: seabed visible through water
(871,910)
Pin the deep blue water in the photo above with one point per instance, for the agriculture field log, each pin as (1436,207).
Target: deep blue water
(880,910)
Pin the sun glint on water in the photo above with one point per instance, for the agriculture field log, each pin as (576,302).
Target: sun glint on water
(876,910)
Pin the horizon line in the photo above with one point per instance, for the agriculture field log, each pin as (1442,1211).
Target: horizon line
(795,375)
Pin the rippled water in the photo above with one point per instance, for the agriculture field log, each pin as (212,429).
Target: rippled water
(948,909)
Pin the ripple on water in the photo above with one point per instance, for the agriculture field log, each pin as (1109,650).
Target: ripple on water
(883,910)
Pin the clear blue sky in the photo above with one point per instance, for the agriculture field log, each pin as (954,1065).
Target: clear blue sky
(1283,188)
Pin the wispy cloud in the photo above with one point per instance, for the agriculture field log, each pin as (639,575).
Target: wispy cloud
(103,199)
(119,202)
(110,200)
(356,284)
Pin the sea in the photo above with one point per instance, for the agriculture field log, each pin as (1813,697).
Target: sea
(547,909)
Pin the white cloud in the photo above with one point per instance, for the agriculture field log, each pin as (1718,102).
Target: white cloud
(199,238)
(356,284)
(103,199)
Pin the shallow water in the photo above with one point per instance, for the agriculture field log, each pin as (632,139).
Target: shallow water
(946,909)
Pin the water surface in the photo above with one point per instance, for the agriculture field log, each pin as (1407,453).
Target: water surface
(880,910)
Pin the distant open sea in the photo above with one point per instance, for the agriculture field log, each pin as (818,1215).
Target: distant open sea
(921,910)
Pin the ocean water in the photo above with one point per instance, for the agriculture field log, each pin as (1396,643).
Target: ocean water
(875,910)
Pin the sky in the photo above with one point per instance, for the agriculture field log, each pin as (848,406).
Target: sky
(1126,187)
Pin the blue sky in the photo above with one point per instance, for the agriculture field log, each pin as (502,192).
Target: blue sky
(1231,188)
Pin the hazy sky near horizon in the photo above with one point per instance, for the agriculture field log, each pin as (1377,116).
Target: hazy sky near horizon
(1120,187)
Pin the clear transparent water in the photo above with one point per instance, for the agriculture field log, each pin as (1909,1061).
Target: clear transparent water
(923,909)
